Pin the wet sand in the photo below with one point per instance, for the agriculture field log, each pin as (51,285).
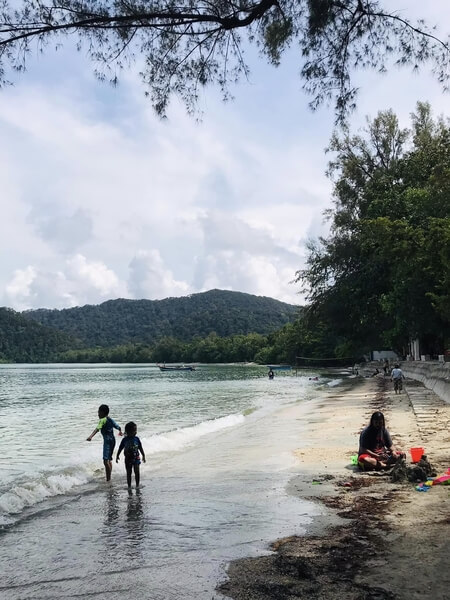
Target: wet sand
(378,540)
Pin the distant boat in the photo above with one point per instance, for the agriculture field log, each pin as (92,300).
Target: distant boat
(176,368)
(279,367)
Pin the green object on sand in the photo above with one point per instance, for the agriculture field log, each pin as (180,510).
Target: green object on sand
(316,482)
(354,459)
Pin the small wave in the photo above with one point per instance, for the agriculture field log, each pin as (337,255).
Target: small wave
(29,493)
(180,438)
(334,382)
(32,492)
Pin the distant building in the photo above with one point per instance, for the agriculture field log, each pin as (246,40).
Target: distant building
(384,354)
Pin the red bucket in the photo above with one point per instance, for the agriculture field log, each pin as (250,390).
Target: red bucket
(416,454)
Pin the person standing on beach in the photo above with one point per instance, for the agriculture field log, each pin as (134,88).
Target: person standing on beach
(376,450)
(106,426)
(397,377)
(132,447)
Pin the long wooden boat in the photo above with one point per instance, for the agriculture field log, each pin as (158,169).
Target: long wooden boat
(176,368)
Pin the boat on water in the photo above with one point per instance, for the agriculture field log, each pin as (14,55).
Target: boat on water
(176,368)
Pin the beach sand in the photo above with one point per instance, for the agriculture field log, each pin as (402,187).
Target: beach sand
(379,540)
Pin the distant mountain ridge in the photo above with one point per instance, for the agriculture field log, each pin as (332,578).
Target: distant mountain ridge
(123,321)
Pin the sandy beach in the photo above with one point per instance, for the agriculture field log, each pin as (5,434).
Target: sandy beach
(377,539)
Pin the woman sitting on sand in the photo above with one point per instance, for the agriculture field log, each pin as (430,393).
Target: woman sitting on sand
(375,446)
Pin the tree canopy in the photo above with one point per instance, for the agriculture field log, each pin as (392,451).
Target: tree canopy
(22,340)
(122,321)
(181,46)
(382,276)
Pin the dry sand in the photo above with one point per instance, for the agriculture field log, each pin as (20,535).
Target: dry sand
(389,541)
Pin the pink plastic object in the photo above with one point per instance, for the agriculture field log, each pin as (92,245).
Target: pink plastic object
(416,454)
(443,479)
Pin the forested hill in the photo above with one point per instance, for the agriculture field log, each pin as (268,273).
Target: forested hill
(23,340)
(121,321)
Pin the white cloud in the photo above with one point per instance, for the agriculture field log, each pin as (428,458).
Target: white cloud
(102,199)
(67,232)
(246,256)
(150,278)
(19,287)
(92,275)
(248,273)
(117,197)
(80,282)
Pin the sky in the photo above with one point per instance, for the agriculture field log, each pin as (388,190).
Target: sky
(102,199)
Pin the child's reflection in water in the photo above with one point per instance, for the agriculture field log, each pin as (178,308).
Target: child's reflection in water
(135,524)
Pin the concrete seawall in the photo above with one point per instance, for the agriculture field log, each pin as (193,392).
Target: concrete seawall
(434,375)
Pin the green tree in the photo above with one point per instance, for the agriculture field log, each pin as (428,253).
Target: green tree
(191,43)
(299,340)
(381,277)
(167,350)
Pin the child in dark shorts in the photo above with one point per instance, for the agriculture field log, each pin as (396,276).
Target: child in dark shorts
(132,447)
(106,425)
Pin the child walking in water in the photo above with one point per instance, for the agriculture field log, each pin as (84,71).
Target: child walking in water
(106,425)
(131,445)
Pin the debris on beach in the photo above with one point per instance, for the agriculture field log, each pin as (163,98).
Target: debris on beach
(354,483)
(420,472)
(322,478)
(427,485)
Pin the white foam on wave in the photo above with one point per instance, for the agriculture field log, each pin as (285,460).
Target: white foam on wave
(29,493)
(334,382)
(32,492)
(180,438)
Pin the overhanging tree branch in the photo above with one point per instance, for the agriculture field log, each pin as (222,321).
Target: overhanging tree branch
(334,37)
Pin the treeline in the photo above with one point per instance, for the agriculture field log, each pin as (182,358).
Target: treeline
(282,346)
(24,341)
(237,348)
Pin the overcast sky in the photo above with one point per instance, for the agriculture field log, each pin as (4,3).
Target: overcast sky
(101,199)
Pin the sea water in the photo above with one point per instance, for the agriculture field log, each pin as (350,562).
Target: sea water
(218,443)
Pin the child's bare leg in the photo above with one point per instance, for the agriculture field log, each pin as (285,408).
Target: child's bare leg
(108,469)
(129,468)
(372,463)
(137,475)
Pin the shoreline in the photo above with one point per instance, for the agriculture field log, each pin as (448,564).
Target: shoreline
(376,540)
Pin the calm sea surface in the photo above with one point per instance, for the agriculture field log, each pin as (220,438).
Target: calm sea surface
(219,454)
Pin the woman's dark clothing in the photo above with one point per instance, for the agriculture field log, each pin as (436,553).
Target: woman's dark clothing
(376,440)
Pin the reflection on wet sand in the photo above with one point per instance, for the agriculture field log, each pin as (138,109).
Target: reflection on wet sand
(135,524)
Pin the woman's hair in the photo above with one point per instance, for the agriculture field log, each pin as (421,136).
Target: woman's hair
(103,409)
(130,428)
(372,432)
(377,416)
